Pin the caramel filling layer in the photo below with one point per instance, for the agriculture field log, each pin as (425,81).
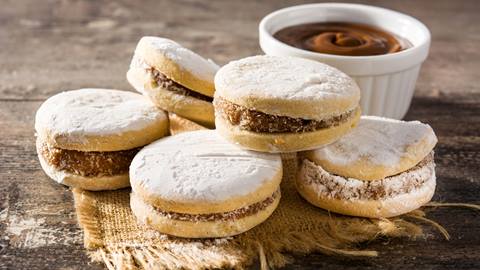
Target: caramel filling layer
(255,121)
(164,82)
(352,189)
(225,216)
(88,164)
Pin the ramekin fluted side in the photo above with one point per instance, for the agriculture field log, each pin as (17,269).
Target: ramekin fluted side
(387,95)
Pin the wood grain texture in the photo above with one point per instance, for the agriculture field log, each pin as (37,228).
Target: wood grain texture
(66,44)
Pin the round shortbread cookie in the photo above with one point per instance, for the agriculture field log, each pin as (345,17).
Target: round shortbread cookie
(377,148)
(200,172)
(148,215)
(284,142)
(287,86)
(177,63)
(391,196)
(179,124)
(99,120)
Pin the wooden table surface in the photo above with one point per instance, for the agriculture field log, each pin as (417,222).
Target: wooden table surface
(58,45)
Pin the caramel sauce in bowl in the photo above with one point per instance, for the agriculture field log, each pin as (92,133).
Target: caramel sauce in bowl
(381,49)
(339,38)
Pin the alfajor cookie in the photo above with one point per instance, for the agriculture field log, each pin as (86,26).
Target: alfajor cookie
(179,124)
(174,78)
(284,104)
(196,184)
(383,168)
(87,138)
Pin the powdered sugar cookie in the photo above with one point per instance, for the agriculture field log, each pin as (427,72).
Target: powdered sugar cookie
(87,138)
(382,168)
(284,104)
(377,148)
(196,184)
(174,78)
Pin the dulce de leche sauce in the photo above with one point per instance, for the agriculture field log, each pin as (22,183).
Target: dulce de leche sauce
(352,39)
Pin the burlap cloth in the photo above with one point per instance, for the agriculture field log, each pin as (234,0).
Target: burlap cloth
(112,235)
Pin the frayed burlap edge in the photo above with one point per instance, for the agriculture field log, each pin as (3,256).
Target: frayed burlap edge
(88,219)
(269,254)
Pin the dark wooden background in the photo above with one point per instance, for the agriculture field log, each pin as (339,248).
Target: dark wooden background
(54,45)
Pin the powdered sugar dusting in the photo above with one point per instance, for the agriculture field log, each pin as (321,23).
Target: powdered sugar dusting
(93,111)
(379,141)
(192,62)
(289,78)
(201,166)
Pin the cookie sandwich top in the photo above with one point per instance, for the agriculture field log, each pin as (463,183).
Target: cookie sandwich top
(177,63)
(287,86)
(200,172)
(93,119)
(377,148)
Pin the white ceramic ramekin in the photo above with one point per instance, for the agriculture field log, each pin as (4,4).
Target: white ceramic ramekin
(387,82)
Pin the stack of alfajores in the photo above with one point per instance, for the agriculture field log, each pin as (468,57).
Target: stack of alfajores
(223,182)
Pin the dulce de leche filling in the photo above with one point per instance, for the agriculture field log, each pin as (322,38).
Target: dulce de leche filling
(225,216)
(88,164)
(255,121)
(352,189)
(352,39)
(164,82)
